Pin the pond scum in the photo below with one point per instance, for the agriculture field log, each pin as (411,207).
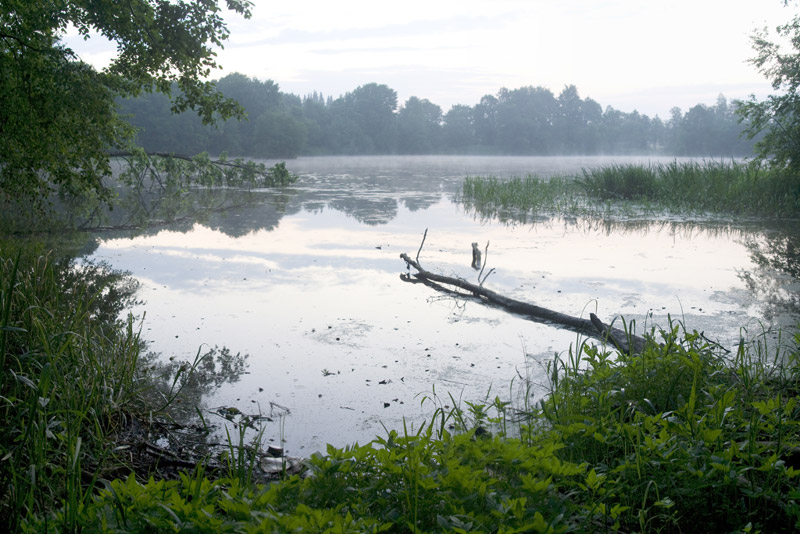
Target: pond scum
(683,437)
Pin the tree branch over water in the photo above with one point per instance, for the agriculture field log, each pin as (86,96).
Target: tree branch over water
(162,188)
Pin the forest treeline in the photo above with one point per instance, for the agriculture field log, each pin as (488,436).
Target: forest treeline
(368,120)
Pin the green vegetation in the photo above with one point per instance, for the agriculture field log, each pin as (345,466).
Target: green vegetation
(77,383)
(370,120)
(681,437)
(69,367)
(731,188)
(494,197)
(59,122)
(58,117)
(776,116)
(679,188)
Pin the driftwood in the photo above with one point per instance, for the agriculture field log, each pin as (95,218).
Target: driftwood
(626,342)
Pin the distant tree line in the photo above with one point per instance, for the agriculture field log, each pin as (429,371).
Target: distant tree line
(525,121)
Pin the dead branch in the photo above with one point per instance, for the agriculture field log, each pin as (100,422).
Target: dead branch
(624,341)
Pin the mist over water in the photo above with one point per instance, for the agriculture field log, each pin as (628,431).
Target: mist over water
(307,283)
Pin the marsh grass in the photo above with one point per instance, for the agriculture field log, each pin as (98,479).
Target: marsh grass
(700,188)
(516,197)
(720,187)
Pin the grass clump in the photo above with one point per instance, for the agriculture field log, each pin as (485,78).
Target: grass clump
(510,198)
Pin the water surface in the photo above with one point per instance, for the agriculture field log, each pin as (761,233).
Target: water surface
(307,283)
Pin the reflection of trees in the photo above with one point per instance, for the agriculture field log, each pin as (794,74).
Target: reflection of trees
(180,386)
(776,276)
(608,223)
(420,202)
(370,211)
(263,215)
(774,282)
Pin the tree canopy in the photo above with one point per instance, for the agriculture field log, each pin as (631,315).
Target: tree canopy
(58,120)
(777,57)
(369,120)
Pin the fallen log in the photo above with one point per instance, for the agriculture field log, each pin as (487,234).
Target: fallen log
(624,341)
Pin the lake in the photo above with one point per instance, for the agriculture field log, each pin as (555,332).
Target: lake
(307,283)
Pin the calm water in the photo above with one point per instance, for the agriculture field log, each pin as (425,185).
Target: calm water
(308,285)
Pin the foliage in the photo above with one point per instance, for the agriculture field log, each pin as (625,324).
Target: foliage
(679,438)
(419,126)
(524,121)
(270,131)
(777,116)
(162,188)
(68,364)
(57,114)
(708,130)
(683,436)
(73,375)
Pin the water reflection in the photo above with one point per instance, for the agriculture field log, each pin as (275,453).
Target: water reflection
(775,277)
(306,282)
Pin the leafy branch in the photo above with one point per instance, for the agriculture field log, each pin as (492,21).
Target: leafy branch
(159,188)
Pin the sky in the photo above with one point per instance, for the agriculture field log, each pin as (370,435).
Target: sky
(643,55)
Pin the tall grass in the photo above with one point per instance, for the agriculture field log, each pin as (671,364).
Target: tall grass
(514,199)
(69,366)
(720,187)
(687,187)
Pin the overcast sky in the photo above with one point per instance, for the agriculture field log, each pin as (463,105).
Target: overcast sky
(631,54)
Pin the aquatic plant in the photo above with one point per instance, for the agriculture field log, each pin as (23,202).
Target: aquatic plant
(723,188)
(516,197)
(709,186)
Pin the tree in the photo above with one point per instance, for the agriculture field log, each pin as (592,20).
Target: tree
(777,117)
(525,118)
(485,117)
(577,122)
(458,131)
(373,107)
(419,127)
(58,120)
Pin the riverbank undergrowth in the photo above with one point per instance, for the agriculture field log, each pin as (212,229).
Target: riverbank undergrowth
(679,438)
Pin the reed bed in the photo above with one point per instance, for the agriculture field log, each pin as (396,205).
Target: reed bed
(723,188)
(720,187)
